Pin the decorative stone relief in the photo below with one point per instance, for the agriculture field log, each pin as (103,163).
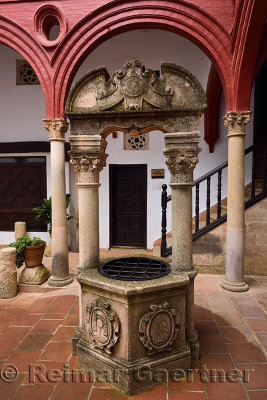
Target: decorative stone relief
(140,141)
(103,325)
(88,167)
(134,86)
(236,121)
(56,127)
(181,163)
(159,328)
(25,74)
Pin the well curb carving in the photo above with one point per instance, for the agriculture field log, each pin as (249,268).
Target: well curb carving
(103,325)
(159,328)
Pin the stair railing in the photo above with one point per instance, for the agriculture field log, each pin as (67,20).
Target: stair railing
(198,231)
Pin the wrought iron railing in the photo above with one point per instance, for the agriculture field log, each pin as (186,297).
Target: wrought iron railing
(258,191)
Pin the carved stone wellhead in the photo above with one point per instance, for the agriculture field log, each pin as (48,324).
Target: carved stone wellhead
(126,326)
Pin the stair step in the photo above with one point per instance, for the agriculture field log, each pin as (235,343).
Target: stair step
(213,216)
(201,225)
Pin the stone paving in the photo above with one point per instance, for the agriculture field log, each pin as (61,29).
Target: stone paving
(36,330)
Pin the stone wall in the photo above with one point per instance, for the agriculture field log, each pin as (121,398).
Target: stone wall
(209,249)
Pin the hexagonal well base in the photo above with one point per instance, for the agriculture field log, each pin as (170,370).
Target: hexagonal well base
(133,333)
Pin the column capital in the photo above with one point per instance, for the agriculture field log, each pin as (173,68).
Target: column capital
(181,156)
(236,121)
(56,127)
(87,156)
(88,166)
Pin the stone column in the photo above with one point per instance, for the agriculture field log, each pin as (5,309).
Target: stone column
(181,157)
(88,159)
(235,236)
(60,263)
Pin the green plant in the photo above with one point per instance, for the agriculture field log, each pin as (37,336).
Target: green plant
(20,245)
(45,211)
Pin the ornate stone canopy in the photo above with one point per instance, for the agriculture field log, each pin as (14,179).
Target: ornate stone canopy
(136,98)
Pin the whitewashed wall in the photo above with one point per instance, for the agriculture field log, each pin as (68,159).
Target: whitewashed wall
(22,109)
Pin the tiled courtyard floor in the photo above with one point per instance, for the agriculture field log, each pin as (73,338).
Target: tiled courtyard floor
(36,329)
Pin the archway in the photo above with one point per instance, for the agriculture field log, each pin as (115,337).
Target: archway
(150,45)
(187,20)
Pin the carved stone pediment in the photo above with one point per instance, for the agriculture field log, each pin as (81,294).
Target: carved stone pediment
(132,87)
(136,89)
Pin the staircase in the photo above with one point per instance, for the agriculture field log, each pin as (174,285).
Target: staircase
(215,214)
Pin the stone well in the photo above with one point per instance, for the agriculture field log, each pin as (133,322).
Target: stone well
(125,326)
(129,327)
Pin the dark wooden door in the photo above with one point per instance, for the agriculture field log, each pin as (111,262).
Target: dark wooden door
(22,187)
(128,208)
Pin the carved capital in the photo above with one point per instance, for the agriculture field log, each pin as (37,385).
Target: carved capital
(88,157)
(181,163)
(87,166)
(56,127)
(236,121)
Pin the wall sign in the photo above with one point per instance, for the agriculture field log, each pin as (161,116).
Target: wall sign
(157,173)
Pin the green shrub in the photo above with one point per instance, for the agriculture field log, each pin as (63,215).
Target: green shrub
(20,245)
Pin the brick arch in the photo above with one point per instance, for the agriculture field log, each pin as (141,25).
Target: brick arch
(21,41)
(117,17)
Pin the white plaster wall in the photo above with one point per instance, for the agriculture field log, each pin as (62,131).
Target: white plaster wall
(22,109)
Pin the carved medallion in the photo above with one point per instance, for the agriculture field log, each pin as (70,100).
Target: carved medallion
(103,325)
(159,328)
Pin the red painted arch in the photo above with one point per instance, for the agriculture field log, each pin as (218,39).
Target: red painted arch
(116,17)
(20,40)
(246,48)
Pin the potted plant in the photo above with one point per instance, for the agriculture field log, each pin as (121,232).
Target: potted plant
(44,211)
(29,250)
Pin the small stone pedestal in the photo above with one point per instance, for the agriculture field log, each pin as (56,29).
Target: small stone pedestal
(34,272)
(8,273)
(132,331)
(34,275)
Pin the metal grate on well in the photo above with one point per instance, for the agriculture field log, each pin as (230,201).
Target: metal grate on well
(134,269)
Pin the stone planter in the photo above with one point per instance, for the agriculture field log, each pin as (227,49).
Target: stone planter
(34,272)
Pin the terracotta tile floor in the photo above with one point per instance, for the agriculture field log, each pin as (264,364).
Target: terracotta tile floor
(36,329)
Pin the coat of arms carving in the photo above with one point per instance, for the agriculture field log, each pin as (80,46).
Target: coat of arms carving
(103,325)
(159,328)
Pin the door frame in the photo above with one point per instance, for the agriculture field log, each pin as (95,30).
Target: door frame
(111,167)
